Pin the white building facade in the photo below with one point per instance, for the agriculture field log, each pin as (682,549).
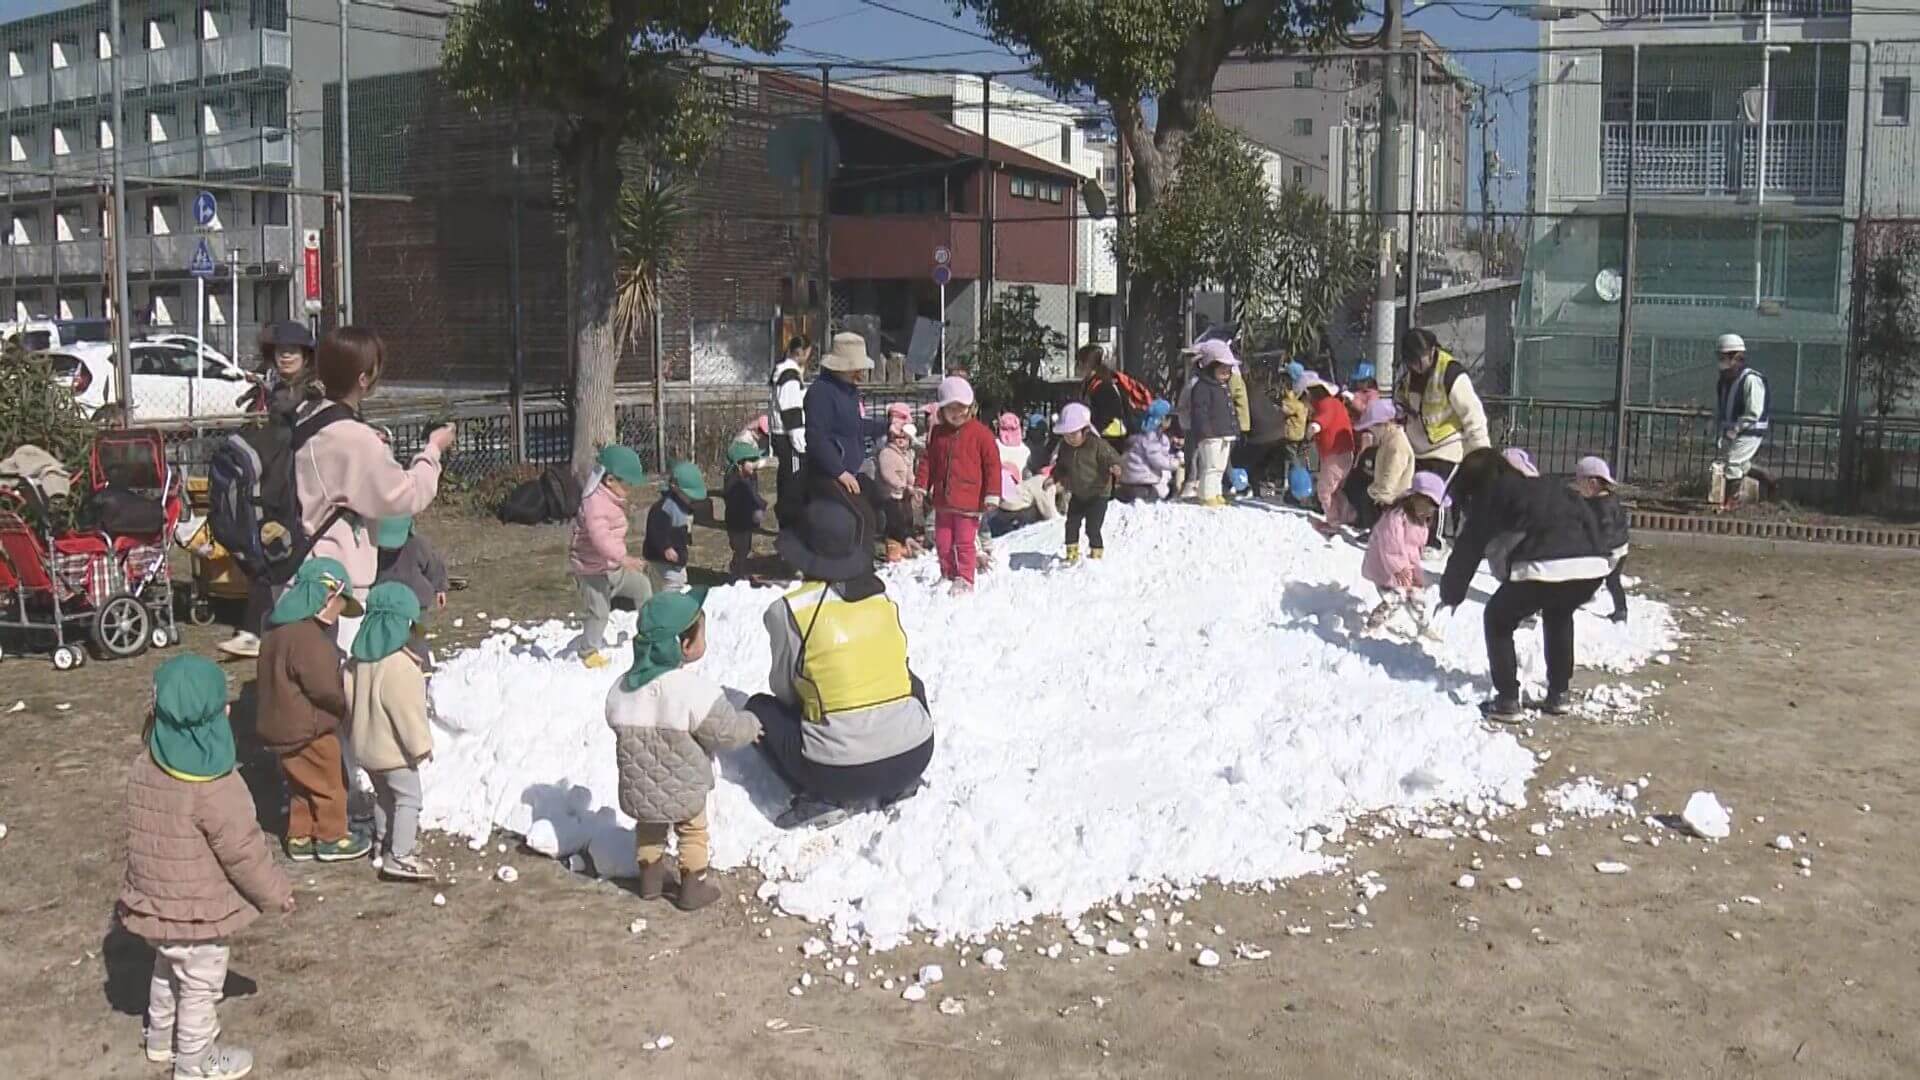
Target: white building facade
(1724,243)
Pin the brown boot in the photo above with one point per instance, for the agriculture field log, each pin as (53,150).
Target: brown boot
(654,878)
(697,891)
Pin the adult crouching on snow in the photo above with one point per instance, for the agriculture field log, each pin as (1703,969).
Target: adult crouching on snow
(1542,542)
(838,428)
(1446,420)
(846,721)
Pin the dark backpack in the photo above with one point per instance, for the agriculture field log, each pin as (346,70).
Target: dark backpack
(119,512)
(253,509)
(561,491)
(526,504)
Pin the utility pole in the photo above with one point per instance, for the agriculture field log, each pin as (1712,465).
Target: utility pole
(987,181)
(1386,193)
(1489,164)
(122,310)
(346,174)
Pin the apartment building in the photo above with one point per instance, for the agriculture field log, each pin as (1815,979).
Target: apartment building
(1754,129)
(1321,115)
(205,94)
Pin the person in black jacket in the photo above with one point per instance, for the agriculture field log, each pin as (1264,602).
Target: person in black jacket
(1100,390)
(669,538)
(1540,539)
(1593,479)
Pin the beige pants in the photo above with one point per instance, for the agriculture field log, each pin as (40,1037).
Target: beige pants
(187,980)
(1211,463)
(693,836)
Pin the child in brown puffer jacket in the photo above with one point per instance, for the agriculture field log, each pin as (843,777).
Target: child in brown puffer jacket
(198,868)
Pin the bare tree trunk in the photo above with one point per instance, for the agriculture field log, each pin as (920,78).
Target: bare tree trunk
(1152,332)
(595,166)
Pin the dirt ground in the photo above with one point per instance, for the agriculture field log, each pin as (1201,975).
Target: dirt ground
(1801,711)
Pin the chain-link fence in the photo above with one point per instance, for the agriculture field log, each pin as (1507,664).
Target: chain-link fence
(1615,184)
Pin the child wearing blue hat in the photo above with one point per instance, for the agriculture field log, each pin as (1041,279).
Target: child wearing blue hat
(1146,469)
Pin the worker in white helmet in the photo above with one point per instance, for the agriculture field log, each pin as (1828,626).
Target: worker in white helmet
(1741,413)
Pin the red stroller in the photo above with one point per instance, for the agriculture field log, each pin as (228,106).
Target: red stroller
(113,588)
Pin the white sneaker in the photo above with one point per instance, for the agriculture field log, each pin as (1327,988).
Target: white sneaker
(243,645)
(215,1063)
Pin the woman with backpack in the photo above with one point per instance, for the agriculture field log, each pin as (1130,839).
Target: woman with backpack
(345,476)
(1110,396)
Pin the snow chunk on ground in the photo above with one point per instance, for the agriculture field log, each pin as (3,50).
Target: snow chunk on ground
(1589,798)
(1228,684)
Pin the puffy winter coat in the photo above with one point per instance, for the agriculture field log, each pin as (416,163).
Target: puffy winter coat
(1211,410)
(198,868)
(348,467)
(1242,407)
(1148,461)
(893,468)
(1086,471)
(960,468)
(1392,465)
(1393,554)
(1269,426)
(599,544)
(663,734)
(1336,427)
(301,694)
(1555,535)
(1611,517)
(838,428)
(417,566)
(1294,408)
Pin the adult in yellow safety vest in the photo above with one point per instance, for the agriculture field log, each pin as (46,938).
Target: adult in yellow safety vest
(1445,420)
(846,722)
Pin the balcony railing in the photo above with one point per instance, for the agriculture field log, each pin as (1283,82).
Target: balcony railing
(67,259)
(220,58)
(1677,10)
(26,91)
(173,254)
(239,151)
(1805,159)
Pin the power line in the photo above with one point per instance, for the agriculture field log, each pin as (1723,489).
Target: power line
(917,17)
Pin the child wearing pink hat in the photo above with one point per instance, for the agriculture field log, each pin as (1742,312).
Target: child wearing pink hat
(1087,467)
(1392,562)
(960,475)
(1593,479)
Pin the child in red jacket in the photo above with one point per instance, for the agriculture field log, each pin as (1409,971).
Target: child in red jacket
(1332,432)
(960,471)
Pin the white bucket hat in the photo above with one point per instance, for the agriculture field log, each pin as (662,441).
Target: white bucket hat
(1730,343)
(849,353)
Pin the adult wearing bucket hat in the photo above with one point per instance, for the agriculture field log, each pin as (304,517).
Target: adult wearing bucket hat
(838,428)
(846,721)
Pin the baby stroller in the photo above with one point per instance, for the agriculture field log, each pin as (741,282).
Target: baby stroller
(108,582)
(216,574)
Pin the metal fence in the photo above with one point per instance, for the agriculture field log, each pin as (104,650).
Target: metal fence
(1578,220)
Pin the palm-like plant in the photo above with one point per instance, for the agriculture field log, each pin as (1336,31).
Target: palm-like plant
(652,212)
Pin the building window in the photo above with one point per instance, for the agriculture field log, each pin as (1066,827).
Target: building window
(1895,96)
(1303,126)
(1303,78)
(1299,176)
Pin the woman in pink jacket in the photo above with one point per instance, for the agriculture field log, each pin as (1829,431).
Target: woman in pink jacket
(344,471)
(597,556)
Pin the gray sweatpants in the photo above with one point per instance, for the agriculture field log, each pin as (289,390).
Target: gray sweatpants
(597,594)
(396,809)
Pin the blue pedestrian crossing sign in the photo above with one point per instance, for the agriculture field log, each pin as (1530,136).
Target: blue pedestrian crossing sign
(204,209)
(202,264)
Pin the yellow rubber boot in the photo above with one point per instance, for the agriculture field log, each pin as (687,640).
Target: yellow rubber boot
(1073,554)
(1095,553)
(595,660)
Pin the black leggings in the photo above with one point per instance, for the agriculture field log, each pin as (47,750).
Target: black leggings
(1512,603)
(1091,511)
(1616,590)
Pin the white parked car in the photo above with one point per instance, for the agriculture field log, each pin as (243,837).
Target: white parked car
(186,341)
(166,383)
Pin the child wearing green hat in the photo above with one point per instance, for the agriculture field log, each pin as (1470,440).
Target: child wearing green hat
(302,703)
(597,556)
(406,557)
(669,538)
(198,869)
(390,734)
(746,507)
(667,723)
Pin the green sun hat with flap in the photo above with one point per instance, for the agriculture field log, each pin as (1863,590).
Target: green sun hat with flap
(393,533)
(191,739)
(741,451)
(316,582)
(392,612)
(656,642)
(686,476)
(622,464)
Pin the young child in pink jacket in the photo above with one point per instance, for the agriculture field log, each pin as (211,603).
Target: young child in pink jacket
(597,556)
(893,469)
(1392,561)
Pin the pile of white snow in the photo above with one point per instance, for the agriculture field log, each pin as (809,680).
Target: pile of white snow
(1197,706)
